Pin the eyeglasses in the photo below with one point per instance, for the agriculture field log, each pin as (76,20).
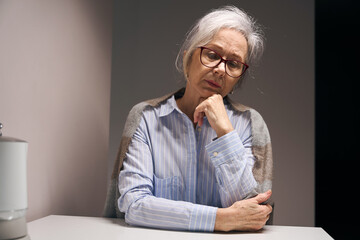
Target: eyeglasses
(233,68)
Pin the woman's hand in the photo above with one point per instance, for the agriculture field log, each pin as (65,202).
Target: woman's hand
(245,215)
(214,109)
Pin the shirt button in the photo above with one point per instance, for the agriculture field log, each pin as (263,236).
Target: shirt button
(199,129)
(215,154)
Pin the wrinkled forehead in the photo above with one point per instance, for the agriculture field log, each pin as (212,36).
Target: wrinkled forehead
(230,43)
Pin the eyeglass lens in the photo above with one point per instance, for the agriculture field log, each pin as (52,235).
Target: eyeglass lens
(211,59)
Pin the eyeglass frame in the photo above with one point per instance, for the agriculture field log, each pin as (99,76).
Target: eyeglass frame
(223,60)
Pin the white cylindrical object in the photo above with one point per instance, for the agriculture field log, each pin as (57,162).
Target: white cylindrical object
(13,189)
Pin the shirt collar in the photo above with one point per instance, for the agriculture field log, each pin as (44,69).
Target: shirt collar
(169,106)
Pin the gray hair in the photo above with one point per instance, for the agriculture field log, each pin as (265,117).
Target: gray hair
(206,27)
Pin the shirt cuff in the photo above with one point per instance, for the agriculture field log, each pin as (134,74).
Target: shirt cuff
(225,148)
(202,218)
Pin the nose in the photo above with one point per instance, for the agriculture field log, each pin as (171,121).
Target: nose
(220,69)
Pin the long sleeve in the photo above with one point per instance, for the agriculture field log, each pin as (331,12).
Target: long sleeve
(138,190)
(233,162)
(174,176)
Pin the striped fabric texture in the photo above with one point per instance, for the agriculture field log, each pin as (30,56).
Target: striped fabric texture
(175,175)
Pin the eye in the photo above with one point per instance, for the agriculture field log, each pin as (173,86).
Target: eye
(211,55)
(234,64)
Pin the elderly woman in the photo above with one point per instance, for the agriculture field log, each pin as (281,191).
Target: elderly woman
(195,160)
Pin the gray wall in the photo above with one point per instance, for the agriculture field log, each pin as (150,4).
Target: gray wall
(55,85)
(55,66)
(146,38)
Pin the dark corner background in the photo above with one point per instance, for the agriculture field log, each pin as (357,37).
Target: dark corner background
(337,116)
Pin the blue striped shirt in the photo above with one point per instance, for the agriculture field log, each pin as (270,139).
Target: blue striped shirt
(175,176)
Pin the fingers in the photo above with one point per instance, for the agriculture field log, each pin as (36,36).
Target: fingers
(199,114)
(262,197)
(214,109)
(264,216)
(264,210)
(254,224)
(200,111)
(267,209)
(250,215)
(267,217)
(199,117)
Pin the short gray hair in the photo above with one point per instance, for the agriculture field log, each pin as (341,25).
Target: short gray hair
(206,27)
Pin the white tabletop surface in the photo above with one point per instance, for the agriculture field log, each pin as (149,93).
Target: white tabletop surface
(56,227)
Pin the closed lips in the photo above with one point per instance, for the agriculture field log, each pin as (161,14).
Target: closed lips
(213,83)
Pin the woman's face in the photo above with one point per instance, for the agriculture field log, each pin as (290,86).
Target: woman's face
(205,81)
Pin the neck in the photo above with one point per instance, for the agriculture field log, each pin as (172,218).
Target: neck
(189,102)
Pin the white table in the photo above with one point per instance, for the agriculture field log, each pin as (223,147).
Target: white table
(56,227)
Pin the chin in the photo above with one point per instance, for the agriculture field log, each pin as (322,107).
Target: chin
(208,92)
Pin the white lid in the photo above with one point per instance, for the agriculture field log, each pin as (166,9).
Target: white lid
(8,139)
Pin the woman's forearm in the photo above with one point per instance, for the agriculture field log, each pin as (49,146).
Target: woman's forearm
(169,214)
(233,168)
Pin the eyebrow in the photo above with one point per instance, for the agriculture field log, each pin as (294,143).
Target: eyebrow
(236,56)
